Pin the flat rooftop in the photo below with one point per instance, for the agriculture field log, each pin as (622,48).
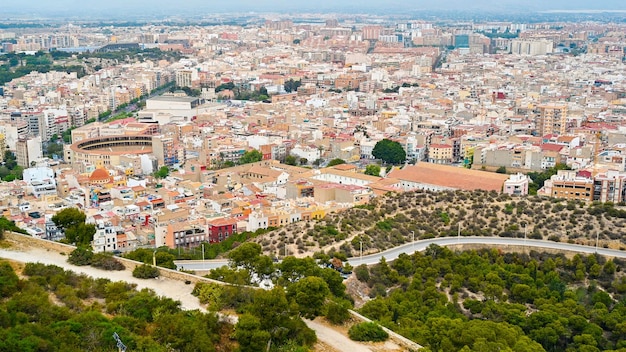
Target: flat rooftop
(174,99)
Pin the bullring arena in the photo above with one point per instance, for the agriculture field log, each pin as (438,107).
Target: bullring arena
(106,150)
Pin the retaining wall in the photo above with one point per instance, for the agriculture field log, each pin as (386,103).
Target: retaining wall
(66,249)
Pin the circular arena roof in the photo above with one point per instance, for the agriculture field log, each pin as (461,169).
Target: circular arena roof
(114,145)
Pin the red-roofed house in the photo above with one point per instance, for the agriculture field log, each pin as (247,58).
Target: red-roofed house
(221,229)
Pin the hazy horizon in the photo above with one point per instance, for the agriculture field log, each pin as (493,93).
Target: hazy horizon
(138,7)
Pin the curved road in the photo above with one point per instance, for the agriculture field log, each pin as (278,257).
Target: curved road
(421,245)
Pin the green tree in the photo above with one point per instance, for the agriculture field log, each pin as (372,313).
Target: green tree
(310,294)
(225,86)
(501,170)
(291,85)
(80,234)
(54,148)
(245,255)
(273,311)
(291,160)
(336,161)
(10,160)
(209,294)
(163,172)
(337,311)
(250,335)
(8,225)
(68,217)
(372,170)
(251,156)
(389,151)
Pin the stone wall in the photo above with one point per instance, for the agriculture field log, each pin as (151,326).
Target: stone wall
(130,265)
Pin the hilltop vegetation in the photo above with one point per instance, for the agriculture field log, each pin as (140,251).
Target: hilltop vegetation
(57,310)
(390,220)
(52,309)
(489,301)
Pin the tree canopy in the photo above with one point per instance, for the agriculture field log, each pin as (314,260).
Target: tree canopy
(372,170)
(162,172)
(389,151)
(336,161)
(54,311)
(291,85)
(310,294)
(72,222)
(487,300)
(251,156)
(68,217)
(291,160)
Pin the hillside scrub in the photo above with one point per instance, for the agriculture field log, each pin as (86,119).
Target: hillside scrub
(57,310)
(390,220)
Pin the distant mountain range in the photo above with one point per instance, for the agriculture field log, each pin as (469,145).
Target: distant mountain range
(71,7)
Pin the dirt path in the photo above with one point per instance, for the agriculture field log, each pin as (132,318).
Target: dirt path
(334,338)
(165,287)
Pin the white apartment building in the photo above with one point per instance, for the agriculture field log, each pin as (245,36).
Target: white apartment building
(516,185)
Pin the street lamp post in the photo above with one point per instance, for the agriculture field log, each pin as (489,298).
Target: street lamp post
(154,258)
(597,240)
(458,234)
(361,247)
(203,264)
(413,240)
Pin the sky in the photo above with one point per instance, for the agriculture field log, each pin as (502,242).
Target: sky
(172,6)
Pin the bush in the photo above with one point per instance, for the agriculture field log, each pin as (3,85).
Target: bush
(337,311)
(367,332)
(80,256)
(146,271)
(106,261)
(362,273)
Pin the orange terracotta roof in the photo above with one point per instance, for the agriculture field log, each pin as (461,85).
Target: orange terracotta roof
(451,177)
(344,167)
(99,175)
(223,222)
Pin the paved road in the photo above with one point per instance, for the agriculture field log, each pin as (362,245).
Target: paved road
(200,265)
(421,245)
